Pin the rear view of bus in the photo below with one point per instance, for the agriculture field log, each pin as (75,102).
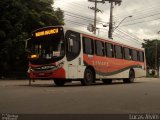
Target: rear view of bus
(46,53)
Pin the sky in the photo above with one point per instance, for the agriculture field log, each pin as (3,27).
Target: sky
(144,23)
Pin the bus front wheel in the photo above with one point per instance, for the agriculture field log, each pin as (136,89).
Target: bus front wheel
(131,77)
(89,77)
(59,82)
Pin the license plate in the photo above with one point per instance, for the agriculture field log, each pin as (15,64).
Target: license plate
(41,74)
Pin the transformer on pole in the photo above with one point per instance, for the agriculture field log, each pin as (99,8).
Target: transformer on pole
(95,13)
(117,2)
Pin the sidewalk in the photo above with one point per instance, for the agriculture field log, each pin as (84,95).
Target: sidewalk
(23,82)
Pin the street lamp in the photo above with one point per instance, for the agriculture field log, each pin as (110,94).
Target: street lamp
(95,12)
(122,21)
(111,30)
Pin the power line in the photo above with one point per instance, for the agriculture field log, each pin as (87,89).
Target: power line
(87,18)
(131,34)
(143,12)
(81,17)
(139,22)
(125,36)
(78,9)
(124,22)
(128,37)
(80,5)
(84,24)
(76,22)
(132,37)
(147,10)
(143,17)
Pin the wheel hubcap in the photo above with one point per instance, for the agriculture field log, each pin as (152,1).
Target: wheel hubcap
(88,76)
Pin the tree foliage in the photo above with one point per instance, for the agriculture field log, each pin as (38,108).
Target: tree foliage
(18,18)
(150,51)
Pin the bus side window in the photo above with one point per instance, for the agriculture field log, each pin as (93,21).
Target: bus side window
(141,56)
(118,52)
(134,55)
(88,46)
(131,56)
(127,54)
(138,56)
(99,48)
(109,50)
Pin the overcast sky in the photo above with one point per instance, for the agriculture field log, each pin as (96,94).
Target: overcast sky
(144,24)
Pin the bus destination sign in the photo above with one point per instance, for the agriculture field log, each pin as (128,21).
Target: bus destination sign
(47,32)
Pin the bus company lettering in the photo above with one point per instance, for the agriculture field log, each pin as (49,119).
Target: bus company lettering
(101,63)
(46,32)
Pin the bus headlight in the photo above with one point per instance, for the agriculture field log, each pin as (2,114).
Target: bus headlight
(34,56)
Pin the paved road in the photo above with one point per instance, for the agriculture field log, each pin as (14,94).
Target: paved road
(143,96)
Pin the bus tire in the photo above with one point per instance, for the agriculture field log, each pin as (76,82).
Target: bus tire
(59,82)
(89,77)
(107,81)
(131,77)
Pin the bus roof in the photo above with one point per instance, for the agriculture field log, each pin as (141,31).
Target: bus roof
(90,35)
(99,37)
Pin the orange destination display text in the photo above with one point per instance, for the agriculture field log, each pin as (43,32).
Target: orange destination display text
(46,32)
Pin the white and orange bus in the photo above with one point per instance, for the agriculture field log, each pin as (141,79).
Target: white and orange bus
(65,54)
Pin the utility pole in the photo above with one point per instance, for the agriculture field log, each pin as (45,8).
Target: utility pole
(111,16)
(95,13)
(111,21)
(156,56)
(156,59)
(95,18)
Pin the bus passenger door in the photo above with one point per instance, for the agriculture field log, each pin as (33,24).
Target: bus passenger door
(72,53)
(72,69)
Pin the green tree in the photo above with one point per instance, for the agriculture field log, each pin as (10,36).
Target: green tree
(150,51)
(18,18)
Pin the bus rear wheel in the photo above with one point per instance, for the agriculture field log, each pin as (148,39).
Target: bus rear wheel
(131,77)
(89,77)
(59,82)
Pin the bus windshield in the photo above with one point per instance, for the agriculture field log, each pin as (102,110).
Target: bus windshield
(47,44)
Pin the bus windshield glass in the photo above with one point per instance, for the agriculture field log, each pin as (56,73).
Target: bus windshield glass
(47,44)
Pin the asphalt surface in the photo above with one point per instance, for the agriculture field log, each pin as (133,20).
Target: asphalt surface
(43,97)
